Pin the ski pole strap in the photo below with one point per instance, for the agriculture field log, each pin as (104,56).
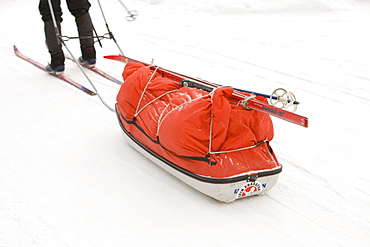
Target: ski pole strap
(96,34)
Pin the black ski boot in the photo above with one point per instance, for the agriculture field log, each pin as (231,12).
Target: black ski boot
(56,65)
(88,56)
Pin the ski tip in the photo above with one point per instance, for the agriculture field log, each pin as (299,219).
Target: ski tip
(14,47)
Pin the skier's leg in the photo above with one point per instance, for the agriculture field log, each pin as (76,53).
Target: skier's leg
(55,48)
(80,10)
(85,31)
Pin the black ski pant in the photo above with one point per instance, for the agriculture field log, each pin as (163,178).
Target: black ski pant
(77,8)
(80,10)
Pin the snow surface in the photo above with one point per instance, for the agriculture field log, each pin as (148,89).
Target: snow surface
(67,178)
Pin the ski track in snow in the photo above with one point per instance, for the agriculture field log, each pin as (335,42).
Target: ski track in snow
(67,178)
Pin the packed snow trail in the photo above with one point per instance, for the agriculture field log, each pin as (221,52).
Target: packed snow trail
(67,178)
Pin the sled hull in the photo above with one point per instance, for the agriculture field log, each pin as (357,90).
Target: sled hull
(221,189)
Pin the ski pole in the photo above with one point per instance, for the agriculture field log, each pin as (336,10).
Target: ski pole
(110,33)
(131,13)
(61,40)
(263,95)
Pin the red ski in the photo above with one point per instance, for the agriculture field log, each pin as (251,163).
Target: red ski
(248,102)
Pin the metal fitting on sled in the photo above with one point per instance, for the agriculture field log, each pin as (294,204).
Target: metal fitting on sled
(245,101)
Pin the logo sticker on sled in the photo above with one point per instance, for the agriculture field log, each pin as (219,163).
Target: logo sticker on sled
(249,189)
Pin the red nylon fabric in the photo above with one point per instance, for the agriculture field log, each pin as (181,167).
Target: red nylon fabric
(183,121)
